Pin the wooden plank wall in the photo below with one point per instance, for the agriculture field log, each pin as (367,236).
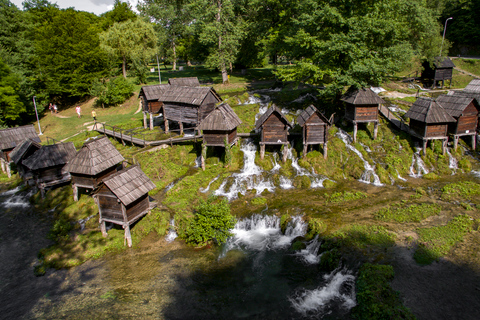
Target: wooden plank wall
(137,208)
(443,74)
(418,127)
(349,112)
(466,123)
(274,130)
(232,136)
(436,130)
(84,181)
(315,134)
(50,174)
(181,113)
(214,137)
(366,113)
(154,106)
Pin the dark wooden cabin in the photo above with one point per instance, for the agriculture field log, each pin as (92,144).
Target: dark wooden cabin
(187,104)
(442,70)
(429,121)
(361,106)
(122,198)
(184,82)
(22,152)
(48,165)
(12,137)
(96,160)
(149,98)
(465,110)
(273,128)
(314,128)
(219,128)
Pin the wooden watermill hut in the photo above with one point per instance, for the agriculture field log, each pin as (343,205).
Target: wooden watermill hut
(273,127)
(429,121)
(187,104)
(442,70)
(12,137)
(314,128)
(48,165)
(96,160)
(361,106)
(471,90)
(149,98)
(219,128)
(122,198)
(184,82)
(465,110)
(22,152)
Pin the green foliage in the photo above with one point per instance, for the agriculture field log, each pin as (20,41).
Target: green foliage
(302,182)
(362,236)
(228,153)
(330,260)
(376,299)
(60,230)
(11,105)
(315,226)
(284,220)
(212,221)
(413,213)
(345,196)
(155,221)
(436,242)
(467,190)
(258,201)
(113,92)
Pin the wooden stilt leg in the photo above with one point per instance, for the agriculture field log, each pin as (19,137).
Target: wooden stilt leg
(304,150)
(9,173)
(355,132)
(75,192)
(166,124)
(151,121)
(285,153)
(145,120)
(425,147)
(375,131)
(103,228)
(181,127)
(128,236)
(3,165)
(202,159)
(42,192)
(455,142)
(325,150)
(262,151)
(474,142)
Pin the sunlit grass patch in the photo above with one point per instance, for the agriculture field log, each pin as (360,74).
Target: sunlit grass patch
(436,242)
(345,196)
(412,213)
(466,190)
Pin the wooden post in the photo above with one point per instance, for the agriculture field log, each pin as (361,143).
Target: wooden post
(262,151)
(9,173)
(75,192)
(128,236)
(166,123)
(425,147)
(304,150)
(444,146)
(144,120)
(375,130)
(474,141)
(103,228)
(151,121)
(181,127)
(3,165)
(42,192)
(325,150)
(455,142)
(202,159)
(285,152)
(355,131)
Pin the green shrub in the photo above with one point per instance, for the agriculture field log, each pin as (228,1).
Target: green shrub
(284,220)
(315,226)
(464,190)
(60,230)
(327,184)
(375,297)
(212,221)
(113,92)
(258,201)
(330,260)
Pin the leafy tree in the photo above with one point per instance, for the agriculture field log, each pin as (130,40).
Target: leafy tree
(121,12)
(134,40)
(212,221)
(10,104)
(113,92)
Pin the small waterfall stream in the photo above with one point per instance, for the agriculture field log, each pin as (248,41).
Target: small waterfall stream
(15,198)
(316,180)
(452,162)
(417,168)
(369,172)
(172,234)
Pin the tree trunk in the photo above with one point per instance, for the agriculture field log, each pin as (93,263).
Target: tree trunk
(223,67)
(174,56)
(124,67)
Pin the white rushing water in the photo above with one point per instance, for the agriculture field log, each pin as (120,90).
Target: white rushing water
(339,286)
(310,254)
(417,168)
(452,162)
(204,190)
(316,180)
(172,234)
(14,198)
(249,178)
(369,174)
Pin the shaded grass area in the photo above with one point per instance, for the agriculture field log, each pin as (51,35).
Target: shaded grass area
(411,213)
(436,242)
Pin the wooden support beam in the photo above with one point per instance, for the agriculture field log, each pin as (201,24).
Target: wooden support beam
(285,152)
(375,131)
(455,142)
(9,173)
(144,120)
(75,192)
(355,128)
(444,146)
(181,127)
(151,121)
(325,150)
(166,123)
(103,228)
(425,147)
(474,142)
(128,236)
(262,151)
(304,154)
(3,165)
(202,159)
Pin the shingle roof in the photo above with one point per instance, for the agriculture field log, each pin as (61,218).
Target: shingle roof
(11,137)
(428,111)
(188,95)
(154,91)
(307,113)
(17,154)
(473,87)
(222,118)
(129,184)
(361,96)
(267,114)
(50,156)
(443,62)
(454,104)
(186,82)
(95,157)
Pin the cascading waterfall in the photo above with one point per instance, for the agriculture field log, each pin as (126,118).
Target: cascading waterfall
(417,168)
(369,172)
(316,180)
(14,198)
(260,237)
(250,177)
(172,234)
(452,162)
(209,184)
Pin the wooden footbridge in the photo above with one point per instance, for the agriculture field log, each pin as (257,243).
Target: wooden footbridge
(399,123)
(126,136)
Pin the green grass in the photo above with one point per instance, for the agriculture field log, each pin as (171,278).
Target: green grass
(460,80)
(345,196)
(464,190)
(436,242)
(363,236)
(412,213)
(470,65)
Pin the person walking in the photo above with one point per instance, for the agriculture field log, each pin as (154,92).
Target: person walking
(55,110)
(79,111)
(94,115)
(50,107)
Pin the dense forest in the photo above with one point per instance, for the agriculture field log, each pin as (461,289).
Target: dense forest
(64,55)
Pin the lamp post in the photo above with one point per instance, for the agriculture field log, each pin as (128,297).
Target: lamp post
(36,113)
(443,38)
